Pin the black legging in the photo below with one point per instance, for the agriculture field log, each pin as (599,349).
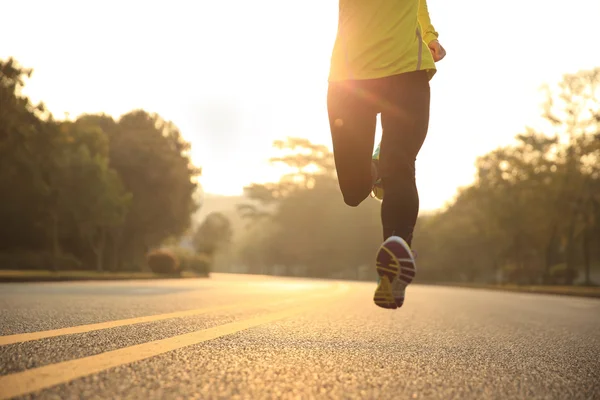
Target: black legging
(403,101)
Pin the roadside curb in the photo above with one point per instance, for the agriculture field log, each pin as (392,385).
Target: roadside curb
(588,292)
(15,278)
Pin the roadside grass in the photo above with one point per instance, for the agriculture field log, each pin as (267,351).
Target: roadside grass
(51,276)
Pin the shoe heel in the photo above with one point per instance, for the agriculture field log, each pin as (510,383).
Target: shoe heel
(383,294)
(386,264)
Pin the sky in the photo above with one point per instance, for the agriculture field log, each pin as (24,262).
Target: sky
(235,75)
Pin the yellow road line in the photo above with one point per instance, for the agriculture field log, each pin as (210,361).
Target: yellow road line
(36,379)
(26,337)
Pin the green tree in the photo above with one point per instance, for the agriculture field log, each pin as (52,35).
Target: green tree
(532,212)
(153,162)
(87,186)
(212,234)
(91,194)
(301,224)
(574,110)
(27,160)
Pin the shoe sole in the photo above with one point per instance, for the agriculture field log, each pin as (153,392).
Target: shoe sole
(407,273)
(383,294)
(394,261)
(388,269)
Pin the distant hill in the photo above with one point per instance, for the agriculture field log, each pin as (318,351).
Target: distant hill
(218,203)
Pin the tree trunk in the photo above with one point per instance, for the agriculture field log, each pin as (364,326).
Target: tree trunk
(587,256)
(98,247)
(570,272)
(570,261)
(550,249)
(520,263)
(115,238)
(56,250)
(99,261)
(116,260)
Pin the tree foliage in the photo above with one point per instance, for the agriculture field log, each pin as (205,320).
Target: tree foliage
(212,234)
(531,216)
(100,189)
(99,192)
(300,226)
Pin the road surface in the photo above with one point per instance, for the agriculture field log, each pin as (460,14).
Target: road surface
(250,337)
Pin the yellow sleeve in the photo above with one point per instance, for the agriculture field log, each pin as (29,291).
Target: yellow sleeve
(429,33)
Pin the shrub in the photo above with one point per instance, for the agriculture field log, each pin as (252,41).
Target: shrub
(181,253)
(163,261)
(198,263)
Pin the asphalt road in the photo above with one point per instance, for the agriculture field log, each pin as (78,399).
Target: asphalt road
(244,337)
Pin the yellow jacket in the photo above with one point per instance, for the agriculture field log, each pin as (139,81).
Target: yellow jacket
(379,38)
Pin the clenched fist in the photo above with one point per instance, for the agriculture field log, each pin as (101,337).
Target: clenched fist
(437,51)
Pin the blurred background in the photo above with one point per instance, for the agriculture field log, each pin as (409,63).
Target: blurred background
(179,138)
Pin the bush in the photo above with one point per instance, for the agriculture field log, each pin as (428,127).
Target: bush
(163,261)
(182,254)
(198,263)
(32,260)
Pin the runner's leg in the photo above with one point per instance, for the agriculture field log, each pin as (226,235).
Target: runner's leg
(352,109)
(405,121)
